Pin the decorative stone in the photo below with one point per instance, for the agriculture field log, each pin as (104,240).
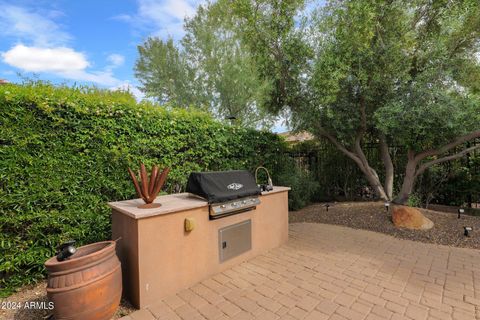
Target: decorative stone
(411,218)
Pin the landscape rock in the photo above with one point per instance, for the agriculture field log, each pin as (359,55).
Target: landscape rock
(411,218)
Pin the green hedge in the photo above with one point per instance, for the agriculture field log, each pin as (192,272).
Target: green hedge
(64,154)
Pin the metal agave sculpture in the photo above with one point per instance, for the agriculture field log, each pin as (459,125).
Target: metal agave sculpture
(149,187)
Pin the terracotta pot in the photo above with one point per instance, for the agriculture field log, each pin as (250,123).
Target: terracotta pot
(88,286)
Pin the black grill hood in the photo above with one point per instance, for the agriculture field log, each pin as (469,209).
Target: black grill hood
(220,186)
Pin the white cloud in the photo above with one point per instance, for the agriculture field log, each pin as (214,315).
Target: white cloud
(162,17)
(24,24)
(162,11)
(116,60)
(43,47)
(63,62)
(35,59)
(104,78)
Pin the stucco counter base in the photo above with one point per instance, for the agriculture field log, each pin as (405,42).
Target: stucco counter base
(160,258)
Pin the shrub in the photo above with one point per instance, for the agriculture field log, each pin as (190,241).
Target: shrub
(414,200)
(303,184)
(64,154)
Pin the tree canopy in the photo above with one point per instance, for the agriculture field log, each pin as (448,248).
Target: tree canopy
(399,73)
(210,68)
(395,73)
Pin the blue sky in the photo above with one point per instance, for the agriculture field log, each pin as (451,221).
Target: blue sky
(87,41)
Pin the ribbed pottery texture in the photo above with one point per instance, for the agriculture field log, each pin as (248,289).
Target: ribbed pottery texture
(88,286)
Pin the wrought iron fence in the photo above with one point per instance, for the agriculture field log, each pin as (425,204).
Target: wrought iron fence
(451,183)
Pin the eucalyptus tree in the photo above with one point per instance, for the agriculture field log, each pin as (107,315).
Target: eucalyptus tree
(165,74)
(273,30)
(225,65)
(210,68)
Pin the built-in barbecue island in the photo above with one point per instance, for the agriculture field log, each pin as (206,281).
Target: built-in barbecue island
(166,249)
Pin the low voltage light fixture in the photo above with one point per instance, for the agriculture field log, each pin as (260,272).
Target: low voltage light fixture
(460,211)
(466,230)
(66,250)
(387,206)
(327,206)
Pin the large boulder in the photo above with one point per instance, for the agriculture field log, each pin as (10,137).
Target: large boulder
(411,218)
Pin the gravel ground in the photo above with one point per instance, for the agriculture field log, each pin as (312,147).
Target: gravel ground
(447,230)
(13,307)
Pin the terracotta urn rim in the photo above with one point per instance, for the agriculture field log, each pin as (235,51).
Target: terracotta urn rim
(107,248)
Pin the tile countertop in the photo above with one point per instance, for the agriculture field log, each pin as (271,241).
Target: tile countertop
(170,203)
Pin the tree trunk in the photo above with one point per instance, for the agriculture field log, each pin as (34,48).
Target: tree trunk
(407,188)
(361,161)
(411,171)
(388,164)
(389,184)
(375,183)
(408,180)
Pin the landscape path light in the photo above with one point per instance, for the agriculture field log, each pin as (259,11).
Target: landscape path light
(232,119)
(466,230)
(460,211)
(66,250)
(387,206)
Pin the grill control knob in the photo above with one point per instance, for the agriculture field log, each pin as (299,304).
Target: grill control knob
(244,201)
(223,206)
(234,204)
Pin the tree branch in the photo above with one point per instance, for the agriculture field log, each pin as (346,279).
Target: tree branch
(370,173)
(460,154)
(339,146)
(361,132)
(457,141)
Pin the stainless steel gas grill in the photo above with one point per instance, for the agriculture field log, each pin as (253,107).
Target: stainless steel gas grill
(227,192)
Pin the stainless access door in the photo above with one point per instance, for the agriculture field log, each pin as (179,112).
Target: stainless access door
(235,239)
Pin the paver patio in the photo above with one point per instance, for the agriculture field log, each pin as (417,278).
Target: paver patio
(333,272)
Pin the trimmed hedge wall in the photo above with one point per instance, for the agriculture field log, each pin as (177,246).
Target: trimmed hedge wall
(64,154)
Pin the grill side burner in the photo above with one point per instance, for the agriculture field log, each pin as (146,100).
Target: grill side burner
(227,192)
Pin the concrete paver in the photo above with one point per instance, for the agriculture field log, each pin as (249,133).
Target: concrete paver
(333,272)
